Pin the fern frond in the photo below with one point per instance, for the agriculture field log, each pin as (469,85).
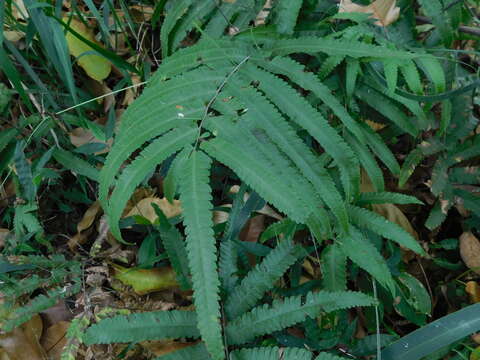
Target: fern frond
(262,278)
(297,73)
(387,108)
(327,356)
(385,228)
(225,14)
(351,75)
(312,45)
(154,325)
(271,353)
(195,195)
(362,252)
(334,268)
(290,311)
(433,69)
(174,10)
(37,305)
(434,10)
(190,91)
(386,197)
(265,182)
(228,264)
(390,68)
(193,18)
(195,352)
(134,173)
(300,111)
(329,65)
(412,77)
(286,15)
(381,150)
(367,161)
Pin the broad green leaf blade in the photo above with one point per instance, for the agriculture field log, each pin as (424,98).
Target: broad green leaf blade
(435,335)
(76,164)
(195,195)
(271,353)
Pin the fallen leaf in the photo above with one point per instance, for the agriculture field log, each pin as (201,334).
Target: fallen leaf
(385,11)
(144,208)
(470,251)
(23,342)
(144,281)
(84,226)
(4,233)
(54,339)
(473,289)
(96,66)
(81,136)
(475,355)
(253,229)
(163,347)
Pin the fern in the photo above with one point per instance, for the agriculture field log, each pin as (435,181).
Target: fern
(196,202)
(327,356)
(134,173)
(262,278)
(362,252)
(271,353)
(287,13)
(290,311)
(174,11)
(143,326)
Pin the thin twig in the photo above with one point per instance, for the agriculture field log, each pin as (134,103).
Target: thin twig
(217,93)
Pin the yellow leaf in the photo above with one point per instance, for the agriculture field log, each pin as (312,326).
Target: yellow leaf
(144,281)
(96,66)
(385,11)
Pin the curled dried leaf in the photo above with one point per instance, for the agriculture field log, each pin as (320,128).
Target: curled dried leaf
(385,11)
(470,251)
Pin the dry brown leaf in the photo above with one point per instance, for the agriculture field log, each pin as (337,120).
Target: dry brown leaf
(163,347)
(473,289)
(144,208)
(253,229)
(131,93)
(385,11)
(84,226)
(81,136)
(3,236)
(23,342)
(144,281)
(54,339)
(470,251)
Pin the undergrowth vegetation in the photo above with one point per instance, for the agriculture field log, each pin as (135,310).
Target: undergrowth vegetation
(249,179)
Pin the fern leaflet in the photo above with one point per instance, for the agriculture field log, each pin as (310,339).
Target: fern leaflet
(201,250)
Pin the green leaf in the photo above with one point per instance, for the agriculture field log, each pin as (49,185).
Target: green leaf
(174,10)
(195,195)
(334,268)
(96,66)
(24,173)
(435,335)
(75,164)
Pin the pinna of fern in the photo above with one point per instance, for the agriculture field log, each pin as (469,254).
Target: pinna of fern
(239,105)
